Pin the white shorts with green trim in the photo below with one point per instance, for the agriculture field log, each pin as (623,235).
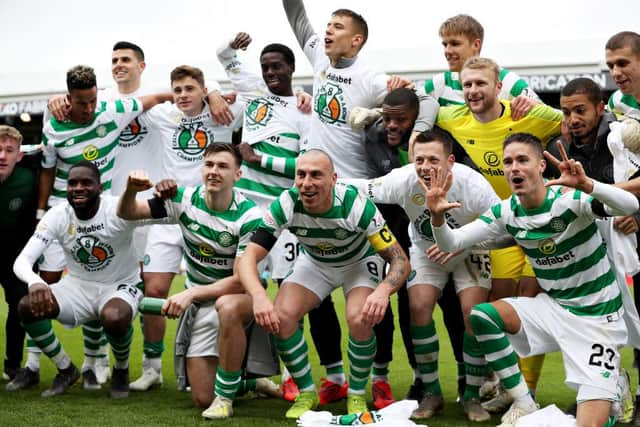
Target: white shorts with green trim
(81,301)
(472,271)
(322,280)
(589,345)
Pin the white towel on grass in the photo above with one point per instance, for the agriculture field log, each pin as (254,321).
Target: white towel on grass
(395,415)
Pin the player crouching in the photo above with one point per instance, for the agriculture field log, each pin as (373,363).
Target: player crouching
(102,280)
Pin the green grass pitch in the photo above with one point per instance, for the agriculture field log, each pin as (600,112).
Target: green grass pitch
(166,406)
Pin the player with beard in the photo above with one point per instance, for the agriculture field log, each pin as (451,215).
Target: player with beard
(101,283)
(89,133)
(479,128)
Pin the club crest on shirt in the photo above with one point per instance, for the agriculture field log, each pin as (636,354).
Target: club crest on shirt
(225,239)
(15,204)
(258,113)
(92,253)
(101,131)
(425,228)
(133,134)
(330,105)
(558,224)
(341,233)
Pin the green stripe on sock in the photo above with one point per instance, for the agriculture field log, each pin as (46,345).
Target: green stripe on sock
(121,346)
(611,421)
(45,338)
(294,354)
(361,356)
(227,383)
(336,368)
(475,366)
(153,350)
(488,329)
(426,348)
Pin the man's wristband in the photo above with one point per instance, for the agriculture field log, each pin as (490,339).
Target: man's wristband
(40,213)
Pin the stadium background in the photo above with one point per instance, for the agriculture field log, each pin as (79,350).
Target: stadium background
(547,42)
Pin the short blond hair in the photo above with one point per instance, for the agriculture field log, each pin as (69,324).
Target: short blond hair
(466,25)
(479,63)
(9,132)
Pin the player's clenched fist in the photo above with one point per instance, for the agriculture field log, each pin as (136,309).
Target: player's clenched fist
(166,189)
(139,181)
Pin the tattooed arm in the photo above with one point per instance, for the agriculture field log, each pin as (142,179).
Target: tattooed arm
(399,268)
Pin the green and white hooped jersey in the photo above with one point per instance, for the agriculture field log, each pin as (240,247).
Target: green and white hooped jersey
(566,250)
(337,238)
(184,139)
(273,126)
(66,143)
(624,104)
(212,239)
(446,87)
(335,92)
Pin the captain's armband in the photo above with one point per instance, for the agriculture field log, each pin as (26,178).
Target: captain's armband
(382,239)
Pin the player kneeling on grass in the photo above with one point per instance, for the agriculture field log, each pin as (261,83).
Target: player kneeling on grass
(579,310)
(216,223)
(101,283)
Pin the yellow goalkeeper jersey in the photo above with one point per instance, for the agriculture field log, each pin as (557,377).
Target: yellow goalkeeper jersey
(483,141)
